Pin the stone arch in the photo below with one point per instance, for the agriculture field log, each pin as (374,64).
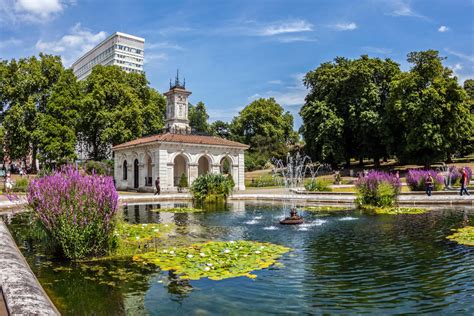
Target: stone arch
(204,164)
(136,174)
(225,165)
(180,166)
(125,170)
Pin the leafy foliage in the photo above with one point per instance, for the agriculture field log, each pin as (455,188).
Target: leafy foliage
(212,187)
(378,189)
(198,118)
(265,181)
(463,236)
(220,129)
(318,185)
(215,260)
(104,167)
(178,210)
(326,208)
(76,209)
(183,181)
(21,185)
(265,126)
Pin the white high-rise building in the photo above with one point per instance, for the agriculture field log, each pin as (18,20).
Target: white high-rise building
(119,49)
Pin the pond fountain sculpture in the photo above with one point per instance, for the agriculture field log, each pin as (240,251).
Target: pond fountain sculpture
(293,174)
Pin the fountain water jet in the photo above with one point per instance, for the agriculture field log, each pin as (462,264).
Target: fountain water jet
(293,174)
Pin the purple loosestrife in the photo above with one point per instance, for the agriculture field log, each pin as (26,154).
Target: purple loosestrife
(455,173)
(378,188)
(75,207)
(416,179)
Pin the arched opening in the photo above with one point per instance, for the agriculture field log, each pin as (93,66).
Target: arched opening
(149,174)
(226,165)
(125,170)
(135,174)
(203,165)
(180,168)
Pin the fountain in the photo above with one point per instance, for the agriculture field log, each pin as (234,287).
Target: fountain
(293,174)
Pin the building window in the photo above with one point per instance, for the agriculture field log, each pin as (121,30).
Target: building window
(125,170)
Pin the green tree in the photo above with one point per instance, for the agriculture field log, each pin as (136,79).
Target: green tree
(266,127)
(117,107)
(220,129)
(57,125)
(431,109)
(198,118)
(343,116)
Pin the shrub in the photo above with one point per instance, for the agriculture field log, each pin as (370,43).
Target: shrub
(254,161)
(211,187)
(319,185)
(99,167)
(183,181)
(77,210)
(265,181)
(21,185)
(416,179)
(378,189)
(455,174)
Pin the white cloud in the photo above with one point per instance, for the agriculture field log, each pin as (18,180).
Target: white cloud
(34,11)
(162,45)
(403,8)
(344,26)
(278,28)
(291,39)
(377,50)
(456,67)
(443,28)
(275,82)
(9,43)
(154,57)
(292,95)
(469,58)
(72,45)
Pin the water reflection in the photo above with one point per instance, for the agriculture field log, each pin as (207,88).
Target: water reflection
(344,262)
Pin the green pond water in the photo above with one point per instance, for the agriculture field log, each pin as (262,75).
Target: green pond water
(341,263)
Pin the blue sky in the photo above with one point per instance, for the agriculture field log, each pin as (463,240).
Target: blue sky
(232,52)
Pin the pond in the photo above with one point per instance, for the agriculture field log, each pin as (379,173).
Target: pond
(340,262)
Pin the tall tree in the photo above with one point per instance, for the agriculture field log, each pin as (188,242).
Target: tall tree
(343,116)
(117,107)
(432,111)
(198,118)
(266,127)
(220,129)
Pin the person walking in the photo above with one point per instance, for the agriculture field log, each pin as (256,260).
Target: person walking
(429,184)
(464,182)
(157,186)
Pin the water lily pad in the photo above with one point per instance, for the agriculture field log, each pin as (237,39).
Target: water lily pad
(178,210)
(463,236)
(326,208)
(400,210)
(215,260)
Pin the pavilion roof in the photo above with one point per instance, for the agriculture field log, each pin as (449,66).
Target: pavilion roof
(183,139)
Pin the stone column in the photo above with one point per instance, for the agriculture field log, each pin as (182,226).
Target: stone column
(241,167)
(193,172)
(216,168)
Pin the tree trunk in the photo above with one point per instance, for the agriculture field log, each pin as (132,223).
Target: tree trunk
(33,158)
(377,162)
(348,162)
(361,161)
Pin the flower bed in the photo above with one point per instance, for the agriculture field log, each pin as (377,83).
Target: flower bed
(416,179)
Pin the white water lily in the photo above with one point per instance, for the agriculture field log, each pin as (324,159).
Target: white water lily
(202,254)
(209,264)
(226,251)
(262,247)
(165,251)
(232,241)
(245,256)
(172,252)
(190,256)
(156,230)
(207,269)
(257,252)
(138,237)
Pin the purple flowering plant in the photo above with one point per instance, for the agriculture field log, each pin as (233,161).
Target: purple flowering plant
(455,174)
(416,179)
(76,209)
(378,188)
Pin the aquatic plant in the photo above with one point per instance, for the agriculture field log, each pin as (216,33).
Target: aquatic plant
(398,210)
(326,208)
(416,179)
(215,260)
(76,209)
(211,187)
(378,188)
(463,236)
(178,210)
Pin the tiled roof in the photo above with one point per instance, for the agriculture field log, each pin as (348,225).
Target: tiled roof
(181,138)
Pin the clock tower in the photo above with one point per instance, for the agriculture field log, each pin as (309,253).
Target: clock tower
(177,121)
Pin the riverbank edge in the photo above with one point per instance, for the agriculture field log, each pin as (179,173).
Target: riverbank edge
(22,291)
